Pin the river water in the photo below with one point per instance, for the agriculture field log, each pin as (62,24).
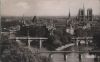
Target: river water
(72,57)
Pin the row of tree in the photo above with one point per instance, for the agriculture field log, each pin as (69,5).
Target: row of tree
(59,37)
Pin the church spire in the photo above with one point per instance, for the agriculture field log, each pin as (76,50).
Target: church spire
(69,14)
(22,21)
(83,6)
(84,10)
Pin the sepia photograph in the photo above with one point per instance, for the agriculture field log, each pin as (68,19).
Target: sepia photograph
(49,30)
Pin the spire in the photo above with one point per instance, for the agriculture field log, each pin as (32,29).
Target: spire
(34,18)
(83,6)
(84,11)
(22,21)
(69,14)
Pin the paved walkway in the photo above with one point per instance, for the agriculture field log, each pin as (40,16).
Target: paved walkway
(65,46)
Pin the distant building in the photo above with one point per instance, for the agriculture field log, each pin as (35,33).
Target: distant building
(89,14)
(70,30)
(83,17)
(81,14)
(69,24)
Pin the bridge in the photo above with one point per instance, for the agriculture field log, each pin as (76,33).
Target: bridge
(30,39)
(79,40)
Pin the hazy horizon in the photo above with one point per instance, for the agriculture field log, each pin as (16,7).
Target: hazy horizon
(47,7)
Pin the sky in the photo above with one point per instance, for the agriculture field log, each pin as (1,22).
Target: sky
(47,7)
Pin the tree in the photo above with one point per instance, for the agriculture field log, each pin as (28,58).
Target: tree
(11,51)
(96,41)
(80,32)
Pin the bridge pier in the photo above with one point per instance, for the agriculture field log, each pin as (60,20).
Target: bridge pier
(65,56)
(77,42)
(29,43)
(40,43)
(50,57)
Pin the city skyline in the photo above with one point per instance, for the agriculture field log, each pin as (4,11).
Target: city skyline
(47,7)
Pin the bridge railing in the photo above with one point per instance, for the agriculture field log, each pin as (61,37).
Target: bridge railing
(51,52)
(82,38)
(31,38)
